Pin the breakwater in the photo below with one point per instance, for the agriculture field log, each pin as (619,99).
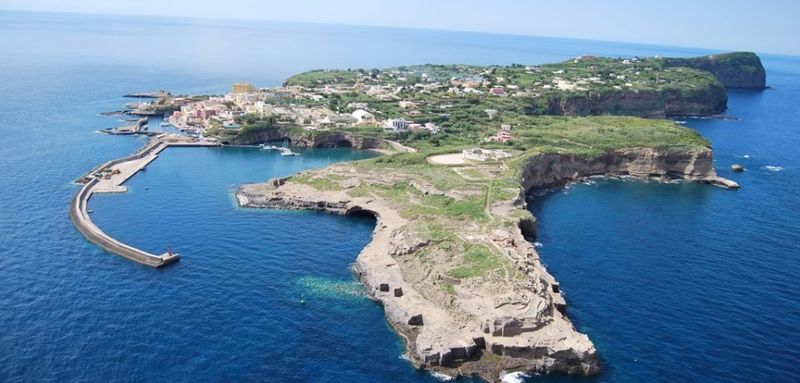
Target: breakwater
(109,178)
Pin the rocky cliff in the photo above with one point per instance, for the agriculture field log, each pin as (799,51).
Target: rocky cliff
(706,101)
(734,70)
(254,137)
(552,170)
(513,319)
(339,140)
(330,139)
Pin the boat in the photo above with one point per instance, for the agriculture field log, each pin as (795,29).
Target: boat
(288,152)
(268,147)
(285,151)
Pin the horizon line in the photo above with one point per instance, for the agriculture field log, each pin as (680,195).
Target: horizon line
(142,15)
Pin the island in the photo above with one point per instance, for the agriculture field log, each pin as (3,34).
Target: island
(451,258)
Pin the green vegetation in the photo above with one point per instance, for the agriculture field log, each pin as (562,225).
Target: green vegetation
(452,208)
(448,288)
(320,183)
(323,77)
(734,70)
(457,99)
(478,260)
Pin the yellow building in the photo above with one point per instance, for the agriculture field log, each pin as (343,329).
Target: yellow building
(243,88)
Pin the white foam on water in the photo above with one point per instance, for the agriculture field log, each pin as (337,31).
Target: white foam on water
(442,377)
(537,245)
(514,377)
(772,168)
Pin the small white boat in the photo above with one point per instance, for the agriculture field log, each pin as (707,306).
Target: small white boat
(288,152)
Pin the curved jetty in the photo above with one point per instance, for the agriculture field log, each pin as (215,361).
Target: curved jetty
(108,178)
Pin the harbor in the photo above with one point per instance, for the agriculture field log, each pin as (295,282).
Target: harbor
(109,178)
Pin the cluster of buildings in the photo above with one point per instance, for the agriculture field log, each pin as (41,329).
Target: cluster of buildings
(503,134)
(287,106)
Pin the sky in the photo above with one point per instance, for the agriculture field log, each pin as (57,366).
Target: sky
(767,26)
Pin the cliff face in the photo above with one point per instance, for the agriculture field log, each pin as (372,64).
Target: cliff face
(734,70)
(648,104)
(339,140)
(255,137)
(551,170)
(320,140)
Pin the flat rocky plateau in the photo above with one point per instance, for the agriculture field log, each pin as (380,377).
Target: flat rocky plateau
(464,311)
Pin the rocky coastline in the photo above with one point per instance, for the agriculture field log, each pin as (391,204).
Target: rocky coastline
(326,139)
(709,101)
(737,70)
(487,327)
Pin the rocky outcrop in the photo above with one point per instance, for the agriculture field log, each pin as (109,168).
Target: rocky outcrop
(331,139)
(708,101)
(734,70)
(488,325)
(552,170)
(339,140)
(520,324)
(255,137)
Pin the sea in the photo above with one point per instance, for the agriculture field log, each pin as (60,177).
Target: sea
(673,282)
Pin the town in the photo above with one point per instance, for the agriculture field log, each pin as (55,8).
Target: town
(440,105)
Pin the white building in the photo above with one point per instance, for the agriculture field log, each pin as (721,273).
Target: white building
(396,125)
(260,108)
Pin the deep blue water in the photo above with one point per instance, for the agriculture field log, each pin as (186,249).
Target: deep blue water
(672,282)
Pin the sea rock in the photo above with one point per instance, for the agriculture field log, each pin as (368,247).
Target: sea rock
(737,168)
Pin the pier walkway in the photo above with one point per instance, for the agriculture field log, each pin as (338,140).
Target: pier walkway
(109,178)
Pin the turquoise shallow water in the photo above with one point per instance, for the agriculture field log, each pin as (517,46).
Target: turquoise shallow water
(673,282)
